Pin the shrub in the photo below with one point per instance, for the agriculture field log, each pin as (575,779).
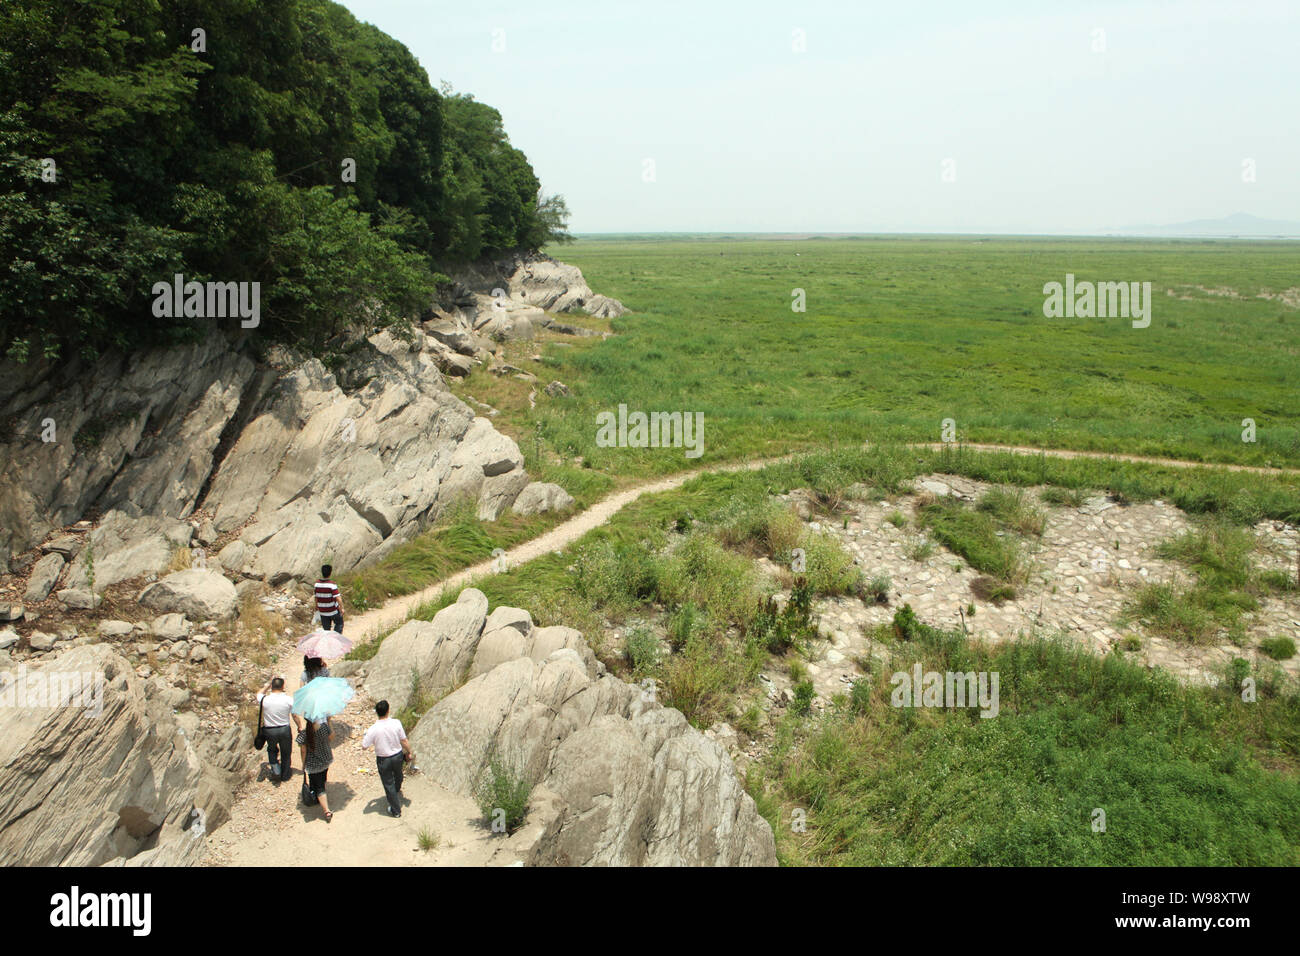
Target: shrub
(503,796)
(905,622)
(684,622)
(877,589)
(1278,648)
(642,650)
(803,697)
(991,590)
(860,696)
(1011,508)
(830,568)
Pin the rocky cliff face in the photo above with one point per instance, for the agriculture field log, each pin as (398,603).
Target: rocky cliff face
(301,463)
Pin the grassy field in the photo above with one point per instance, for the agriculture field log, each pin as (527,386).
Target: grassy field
(901,333)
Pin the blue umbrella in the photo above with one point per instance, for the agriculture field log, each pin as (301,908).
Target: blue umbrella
(322,697)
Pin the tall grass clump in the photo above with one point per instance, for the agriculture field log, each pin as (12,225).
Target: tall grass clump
(1188,776)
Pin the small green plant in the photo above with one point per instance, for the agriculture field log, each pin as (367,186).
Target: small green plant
(1278,648)
(503,796)
(860,696)
(1072,497)
(684,622)
(427,839)
(1130,642)
(1279,581)
(750,720)
(877,589)
(798,670)
(803,697)
(642,651)
(970,610)
(896,518)
(920,549)
(1012,509)
(992,591)
(905,622)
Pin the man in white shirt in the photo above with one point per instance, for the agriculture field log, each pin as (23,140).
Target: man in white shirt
(388,738)
(277,706)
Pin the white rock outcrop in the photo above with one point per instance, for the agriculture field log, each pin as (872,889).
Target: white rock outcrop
(618,779)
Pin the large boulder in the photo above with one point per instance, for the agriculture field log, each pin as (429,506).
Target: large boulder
(627,781)
(541,496)
(428,657)
(123,547)
(198,593)
(618,779)
(95,769)
(538,280)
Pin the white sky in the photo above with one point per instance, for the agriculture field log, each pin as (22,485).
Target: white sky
(1045,134)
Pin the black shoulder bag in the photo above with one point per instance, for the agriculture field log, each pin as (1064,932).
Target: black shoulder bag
(260,740)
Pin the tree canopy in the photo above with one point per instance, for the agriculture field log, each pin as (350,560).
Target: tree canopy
(272,141)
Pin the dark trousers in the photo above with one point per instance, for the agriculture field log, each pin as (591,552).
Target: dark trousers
(332,622)
(390,772)
(279,748)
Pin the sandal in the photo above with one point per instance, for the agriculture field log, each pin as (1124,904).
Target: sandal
(329,815)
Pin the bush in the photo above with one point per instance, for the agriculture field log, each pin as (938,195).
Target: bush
(803,698)
(1278,648)
(503,796)
(684,622)
(905,622)
(616,577)
(877,589)
(642,650)
(830,568)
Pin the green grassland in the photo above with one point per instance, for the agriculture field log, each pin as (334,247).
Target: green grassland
(900,333)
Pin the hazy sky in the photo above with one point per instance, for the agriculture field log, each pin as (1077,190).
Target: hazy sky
(1044,133)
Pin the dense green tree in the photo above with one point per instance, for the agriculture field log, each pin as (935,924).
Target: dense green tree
(226,162)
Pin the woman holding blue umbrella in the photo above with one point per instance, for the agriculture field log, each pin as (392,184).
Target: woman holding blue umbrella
(313,705)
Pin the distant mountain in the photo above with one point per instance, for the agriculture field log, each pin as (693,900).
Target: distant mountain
(1238,225)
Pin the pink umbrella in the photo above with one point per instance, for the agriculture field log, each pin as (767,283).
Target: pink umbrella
(322,643)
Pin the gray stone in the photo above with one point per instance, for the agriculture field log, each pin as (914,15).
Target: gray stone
(431,655)
(45,573)
(197,593)
(170,627)
(79,599)
(41,641)
(129,791)
(539,497)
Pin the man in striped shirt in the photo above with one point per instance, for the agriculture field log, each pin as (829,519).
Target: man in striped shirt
(329,603)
